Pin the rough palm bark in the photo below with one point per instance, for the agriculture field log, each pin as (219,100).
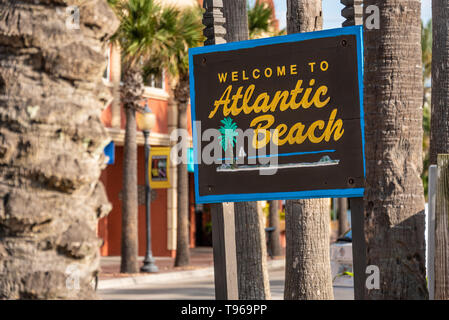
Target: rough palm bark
(307,269)
(304,16)
(273,221)
(439,136)
(188,33)
(131,93)
(129,243)
(252,268)
(394,198)
(115,78)
(308,275)
(51,147)
(236,20)
(172,207)
(181,95)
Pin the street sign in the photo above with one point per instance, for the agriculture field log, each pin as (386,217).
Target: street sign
(279,118)
(159,170)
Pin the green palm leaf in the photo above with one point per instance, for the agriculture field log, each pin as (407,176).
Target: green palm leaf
(228,133)
(156,37)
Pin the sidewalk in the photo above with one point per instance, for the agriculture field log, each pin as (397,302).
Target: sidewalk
(201,257)
(201,264)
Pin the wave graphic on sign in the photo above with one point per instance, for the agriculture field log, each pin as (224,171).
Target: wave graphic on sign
(324,161)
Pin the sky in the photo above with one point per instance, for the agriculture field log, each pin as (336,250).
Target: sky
(332,12)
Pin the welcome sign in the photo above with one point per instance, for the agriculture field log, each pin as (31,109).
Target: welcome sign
(279,118)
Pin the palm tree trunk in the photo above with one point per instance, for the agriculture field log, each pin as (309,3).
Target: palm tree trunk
(252,267)
(129,248)
(394,198)
(273,220)
(131,97)
(439,139)
(115,78)
(51,149)
(304,16)
(182,237)
(252,270)
(307,269)
(236,20)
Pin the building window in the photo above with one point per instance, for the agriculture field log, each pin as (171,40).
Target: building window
(155,80)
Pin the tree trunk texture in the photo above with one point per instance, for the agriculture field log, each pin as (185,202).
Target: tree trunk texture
(273,221)
(308,274)
(172,192)
(249,228)
(304,16)
(129,247)
(252,270)
(131,97)
(51,148)
(236,24)
(394,198)
(342,214)
(181,94)
(307,268)
(115,78)
(442,230)
(439,129)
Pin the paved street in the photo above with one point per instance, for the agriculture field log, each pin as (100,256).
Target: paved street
(199,287)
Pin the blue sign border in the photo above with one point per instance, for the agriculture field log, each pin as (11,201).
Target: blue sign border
(323,193)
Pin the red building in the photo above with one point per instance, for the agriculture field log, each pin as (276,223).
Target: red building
(163,205)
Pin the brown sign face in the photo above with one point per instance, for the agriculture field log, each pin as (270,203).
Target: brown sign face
(279,118)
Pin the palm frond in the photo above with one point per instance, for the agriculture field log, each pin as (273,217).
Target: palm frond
(228,133)
(259,19)
(145,31)
(155,37)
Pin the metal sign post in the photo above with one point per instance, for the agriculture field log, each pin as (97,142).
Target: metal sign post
(353,12)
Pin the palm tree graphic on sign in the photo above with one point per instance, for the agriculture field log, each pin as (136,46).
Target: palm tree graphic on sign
(228,133)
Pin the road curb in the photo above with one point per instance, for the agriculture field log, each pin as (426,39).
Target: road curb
(117,283)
